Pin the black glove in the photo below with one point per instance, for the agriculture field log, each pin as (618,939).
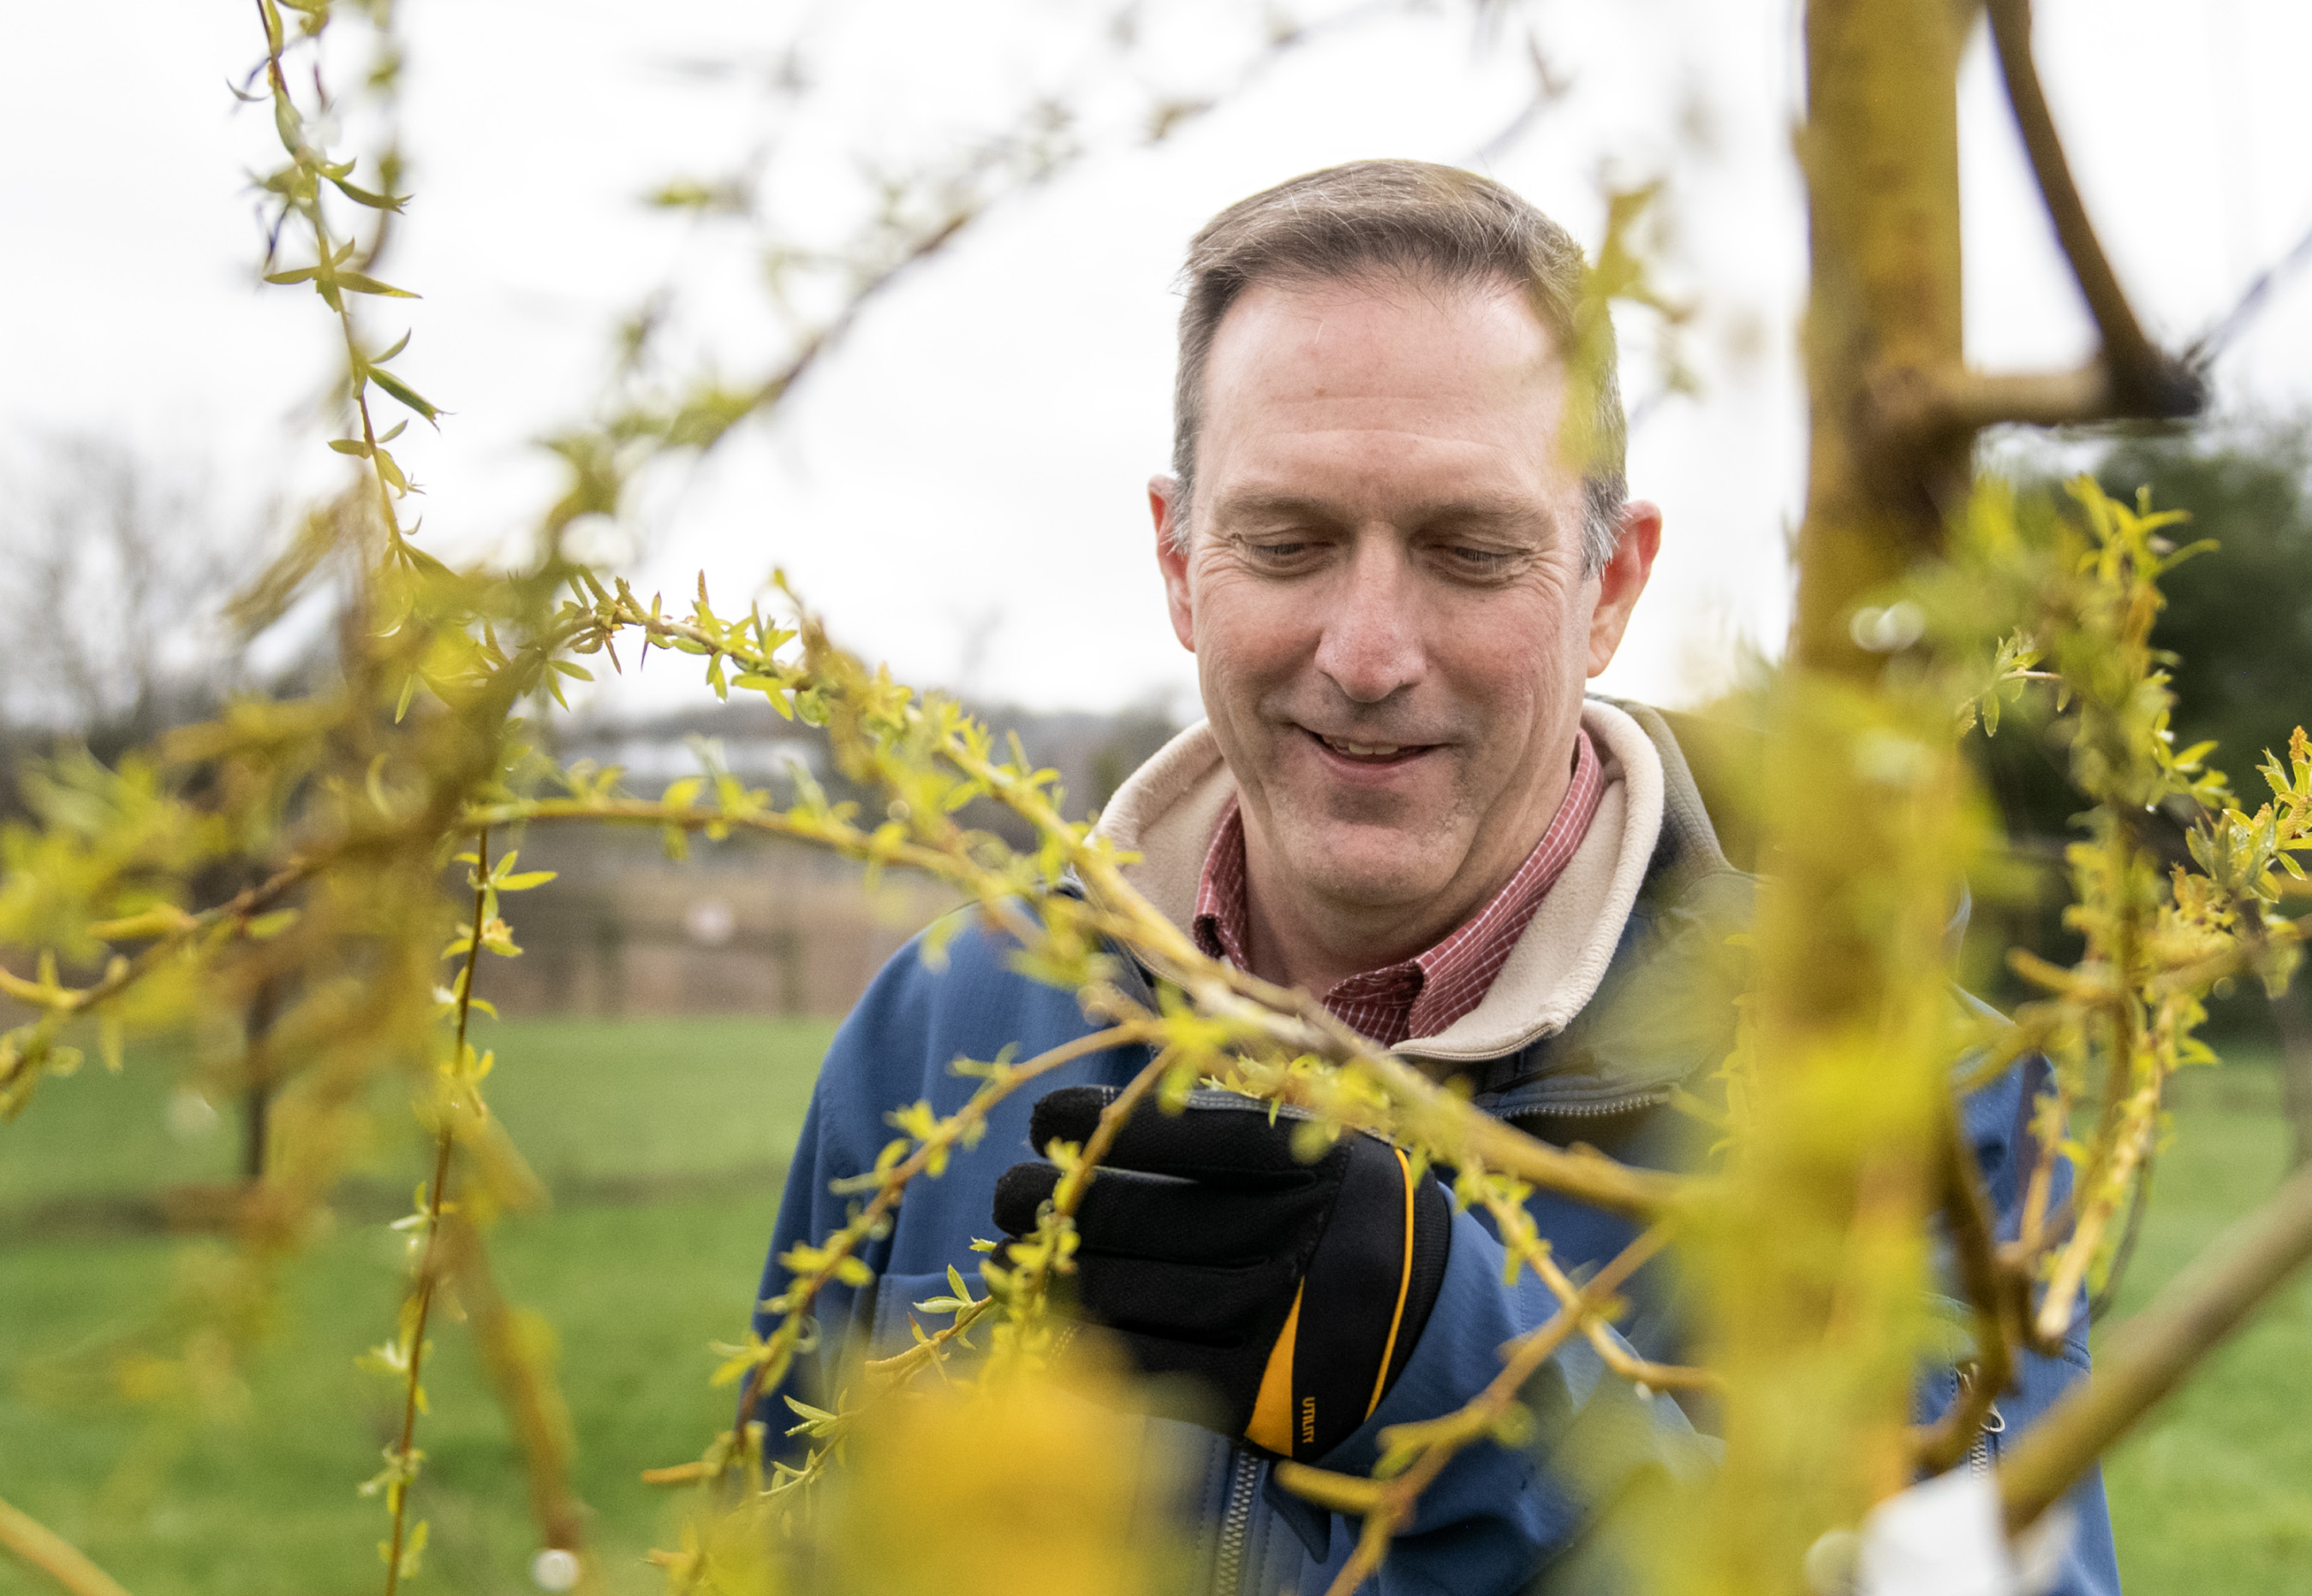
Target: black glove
(1295,1290)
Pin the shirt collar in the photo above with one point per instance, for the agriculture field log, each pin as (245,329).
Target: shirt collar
(1424,994)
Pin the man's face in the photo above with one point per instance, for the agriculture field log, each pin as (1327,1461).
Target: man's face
(1384,591)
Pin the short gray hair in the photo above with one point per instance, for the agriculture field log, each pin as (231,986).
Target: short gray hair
(1411,218)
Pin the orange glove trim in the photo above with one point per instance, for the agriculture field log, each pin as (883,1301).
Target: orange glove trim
(1404,1287)
(1272,1407)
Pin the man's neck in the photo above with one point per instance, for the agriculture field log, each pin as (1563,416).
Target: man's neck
(1299,938)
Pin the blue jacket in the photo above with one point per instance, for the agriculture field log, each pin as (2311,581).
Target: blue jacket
(1496,1520)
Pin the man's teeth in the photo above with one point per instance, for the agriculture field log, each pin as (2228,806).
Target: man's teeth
(1365,751)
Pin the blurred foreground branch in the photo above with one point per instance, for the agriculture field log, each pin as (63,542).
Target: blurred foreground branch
(2149,1356)
(44,1550)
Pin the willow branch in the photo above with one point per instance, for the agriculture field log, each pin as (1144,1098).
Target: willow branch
(2213,342)
(1997,1295)
(2149,1355)
(170,929)
(2137,1204)
(779,1346)
(1026,1300)
(1167,120)
(1616,1354)
(1971,401)
(900,1365)
(42,1548)
(2202,973)
(2124,1129)
(1290,1019)
(888,1373)
(1388,1504)
(1300,1023)
(849,841)
(2131,377)
(2144,381)
(1930,405)
(324,251)
(428,1263)
(525,1386)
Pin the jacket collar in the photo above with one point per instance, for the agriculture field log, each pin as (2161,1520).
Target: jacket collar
(1651,845)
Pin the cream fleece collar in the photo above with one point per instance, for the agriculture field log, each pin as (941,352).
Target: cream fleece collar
(1169,809)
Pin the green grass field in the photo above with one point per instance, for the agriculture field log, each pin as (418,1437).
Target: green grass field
(666,1138)
(2214,1494)
(688,1123)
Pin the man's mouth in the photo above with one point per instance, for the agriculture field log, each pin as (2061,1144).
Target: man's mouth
(1372,753)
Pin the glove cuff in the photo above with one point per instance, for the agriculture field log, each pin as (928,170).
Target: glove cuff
(1359,1309)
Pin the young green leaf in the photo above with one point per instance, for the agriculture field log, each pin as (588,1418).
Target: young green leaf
(404,393)
(362,282)
(376,202)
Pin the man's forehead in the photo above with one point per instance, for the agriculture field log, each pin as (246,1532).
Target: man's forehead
(1378,319)
(1387,360)
(1352,401)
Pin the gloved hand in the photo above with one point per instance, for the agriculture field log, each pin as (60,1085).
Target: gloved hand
(1295,1290)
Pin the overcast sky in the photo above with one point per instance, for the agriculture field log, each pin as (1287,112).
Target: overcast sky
(961,490)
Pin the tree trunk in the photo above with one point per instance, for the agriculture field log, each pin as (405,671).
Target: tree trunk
(1819,1305)
(1880,154)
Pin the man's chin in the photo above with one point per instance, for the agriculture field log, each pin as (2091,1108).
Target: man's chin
(1367,873)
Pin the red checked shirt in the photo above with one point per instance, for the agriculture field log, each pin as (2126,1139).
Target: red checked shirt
(1423,994)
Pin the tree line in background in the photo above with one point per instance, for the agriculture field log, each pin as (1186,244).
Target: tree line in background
(99,530)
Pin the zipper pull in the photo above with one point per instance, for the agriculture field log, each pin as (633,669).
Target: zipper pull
(1994,1423)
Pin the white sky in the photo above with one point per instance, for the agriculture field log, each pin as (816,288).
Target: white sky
(978,449)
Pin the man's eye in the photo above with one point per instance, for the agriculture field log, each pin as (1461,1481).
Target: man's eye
(1483,561)
(1279,551)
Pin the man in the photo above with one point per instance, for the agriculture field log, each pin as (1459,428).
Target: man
(1397,540)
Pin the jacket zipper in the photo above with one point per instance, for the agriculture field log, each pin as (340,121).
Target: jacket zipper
(1994,1423)
(1236,1524)
(1619,1105)
(1979,1456)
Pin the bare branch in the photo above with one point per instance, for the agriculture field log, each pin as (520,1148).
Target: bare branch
(1922,406)
(1549,87)
(1996,1293)
(2218,338)
(1972,400)
(2145,380)
(2149,1355)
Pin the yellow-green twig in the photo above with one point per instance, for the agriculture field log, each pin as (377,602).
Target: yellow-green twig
(777,1349)
(42,1548)
(1388,1504)
(445,1143)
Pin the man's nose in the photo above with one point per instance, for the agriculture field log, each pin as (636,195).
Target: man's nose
(1372,643)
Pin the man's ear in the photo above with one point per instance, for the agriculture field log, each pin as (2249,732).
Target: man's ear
(1164,504)
(1623,579)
